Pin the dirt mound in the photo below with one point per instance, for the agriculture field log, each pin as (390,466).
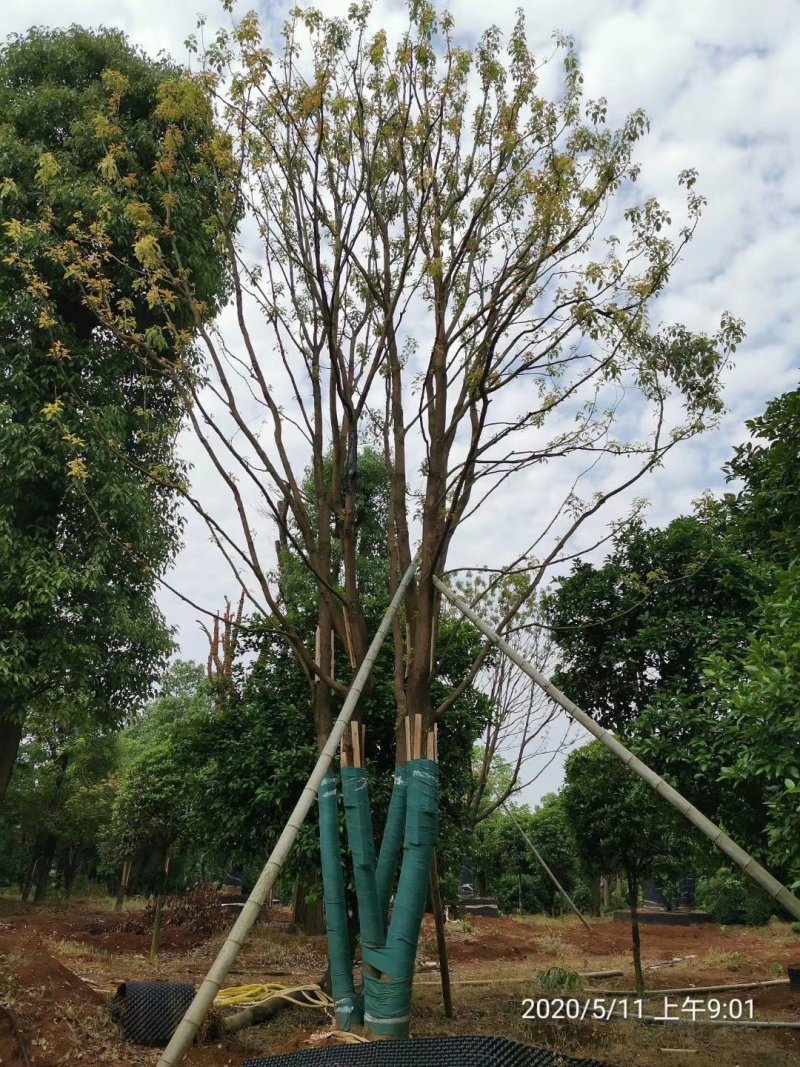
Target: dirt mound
(43,1001)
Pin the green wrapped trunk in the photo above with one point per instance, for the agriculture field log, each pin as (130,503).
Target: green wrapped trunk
(392,841)
(347,1005)
(387,994)
(360,838)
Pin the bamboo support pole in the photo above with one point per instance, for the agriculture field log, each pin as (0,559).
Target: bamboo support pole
(750,866)
(531,980)
(187,1030)
(546,869)
(654,994)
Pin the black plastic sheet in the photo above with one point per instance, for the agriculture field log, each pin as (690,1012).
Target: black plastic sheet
(428,1052)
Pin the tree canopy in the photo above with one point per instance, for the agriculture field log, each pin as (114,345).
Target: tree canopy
(89,517)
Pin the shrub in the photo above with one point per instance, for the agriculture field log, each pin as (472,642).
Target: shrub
(558,979)
(732,899)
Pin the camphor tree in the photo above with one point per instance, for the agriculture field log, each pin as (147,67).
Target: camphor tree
(88,511)
(426,263)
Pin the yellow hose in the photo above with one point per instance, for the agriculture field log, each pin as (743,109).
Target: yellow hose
(261,992)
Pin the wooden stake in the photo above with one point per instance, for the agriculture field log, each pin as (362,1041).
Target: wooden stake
(417,737)
(355,740)
(407,728)
(441,943)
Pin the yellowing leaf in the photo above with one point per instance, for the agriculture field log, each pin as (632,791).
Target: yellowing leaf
(76,468)
(48,169)
(108,167)
(147,251)
(53,410)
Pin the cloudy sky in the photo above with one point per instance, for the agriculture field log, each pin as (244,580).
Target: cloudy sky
(717,79)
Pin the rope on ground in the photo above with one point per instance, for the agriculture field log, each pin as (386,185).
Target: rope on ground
(344,1037)
(303,996)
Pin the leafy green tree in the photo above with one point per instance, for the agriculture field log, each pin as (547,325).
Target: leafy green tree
(151,806)
(619,823)
(757,697)
(766,510)
(687,636)
(59,800)
(506,867)
(88,515)
(638,627)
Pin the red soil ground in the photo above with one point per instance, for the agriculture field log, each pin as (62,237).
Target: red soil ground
(61,1017)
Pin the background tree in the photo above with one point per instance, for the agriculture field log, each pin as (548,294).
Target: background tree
(766,510)
(524,730)
(619,824)
(638,627)
(88,517)
(59,801)
(684,638)
(507,869)
(756,698)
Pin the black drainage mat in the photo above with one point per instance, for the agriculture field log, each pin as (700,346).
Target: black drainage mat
(150,1011)
(428,1052)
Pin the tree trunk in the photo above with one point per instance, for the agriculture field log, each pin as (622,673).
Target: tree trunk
(633,904)
(307,916)
(27,884)
(43,873)
(122,886)
(441,943)
(71,866)
(155,943)
(10,737)
(594,896)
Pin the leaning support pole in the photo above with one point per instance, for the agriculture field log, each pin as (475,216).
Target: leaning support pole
(547,870)
(190,1024)
(718,837)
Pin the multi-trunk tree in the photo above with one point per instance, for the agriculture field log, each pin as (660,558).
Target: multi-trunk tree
(427,262)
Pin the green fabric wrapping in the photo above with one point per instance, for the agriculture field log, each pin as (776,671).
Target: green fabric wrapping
(361,840)
(347,1006)
(387,1000)
(392,841)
